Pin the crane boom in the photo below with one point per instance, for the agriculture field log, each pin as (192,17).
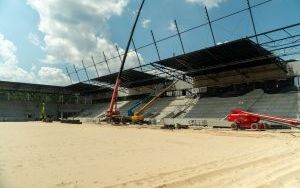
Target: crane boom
(113,103)
(148,104)
(144,100)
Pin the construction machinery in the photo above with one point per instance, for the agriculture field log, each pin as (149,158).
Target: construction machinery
(130,112)
(43,115)
(137,116)
(112,114)
(250,120)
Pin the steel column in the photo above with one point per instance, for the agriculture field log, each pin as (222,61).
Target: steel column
(76,73)
(95,66)
(85,71)
(155,44)
(136,53)
(210,26)
(179,35)
(69,75)
(119,53)
(252,20)
(105,59)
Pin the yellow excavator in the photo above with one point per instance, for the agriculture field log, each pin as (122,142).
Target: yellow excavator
(137,116)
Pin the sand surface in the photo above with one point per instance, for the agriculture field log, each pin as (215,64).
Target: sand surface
(40,155)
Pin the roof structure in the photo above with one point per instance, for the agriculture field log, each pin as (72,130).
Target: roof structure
(132,78)
(238,54)
(27,87)
(81,88)
(84,88)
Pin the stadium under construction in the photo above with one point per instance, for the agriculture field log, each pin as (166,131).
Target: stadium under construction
(255,73)
(212,105)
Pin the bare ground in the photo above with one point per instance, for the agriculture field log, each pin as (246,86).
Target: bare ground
(40,155)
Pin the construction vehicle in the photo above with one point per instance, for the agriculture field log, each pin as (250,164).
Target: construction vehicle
(250,120)
(130,112)
(112,114)
(43,115)
(137,116)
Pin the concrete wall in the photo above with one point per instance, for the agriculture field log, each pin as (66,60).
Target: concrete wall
(28,110)
(180,85)
(295,66)
(18,110)
(261,73)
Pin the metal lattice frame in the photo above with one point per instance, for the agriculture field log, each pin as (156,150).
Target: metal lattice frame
(281,51)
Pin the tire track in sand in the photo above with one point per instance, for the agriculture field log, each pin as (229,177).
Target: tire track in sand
(241,171)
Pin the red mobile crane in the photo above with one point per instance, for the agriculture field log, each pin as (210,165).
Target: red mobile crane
(250,120)
(112,113)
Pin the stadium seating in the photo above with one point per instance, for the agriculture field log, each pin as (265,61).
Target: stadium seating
(164,107)
(217,107)
(283,104)
(93,111)
(279,104)
(98,110)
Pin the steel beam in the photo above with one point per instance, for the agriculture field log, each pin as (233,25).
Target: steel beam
(155,44)
(210,26)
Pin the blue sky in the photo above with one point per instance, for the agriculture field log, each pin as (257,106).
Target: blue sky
(39,38)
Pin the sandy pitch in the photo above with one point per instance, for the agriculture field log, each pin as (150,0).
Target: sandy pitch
(40,155)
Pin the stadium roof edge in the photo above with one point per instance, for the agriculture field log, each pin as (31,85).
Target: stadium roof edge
(230,55)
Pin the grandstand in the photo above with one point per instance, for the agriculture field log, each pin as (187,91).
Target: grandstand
(255,73)
(248,78)
(23,101)
(221,81)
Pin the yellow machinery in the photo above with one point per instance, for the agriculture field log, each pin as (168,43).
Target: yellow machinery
(43,115)
(138,117)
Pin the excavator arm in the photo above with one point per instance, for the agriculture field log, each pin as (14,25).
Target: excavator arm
(138,114)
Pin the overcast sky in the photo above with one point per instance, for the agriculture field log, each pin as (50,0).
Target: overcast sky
(39,38)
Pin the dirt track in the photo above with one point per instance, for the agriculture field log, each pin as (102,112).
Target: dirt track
(54,155)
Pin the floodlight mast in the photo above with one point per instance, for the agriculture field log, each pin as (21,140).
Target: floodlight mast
(113,103)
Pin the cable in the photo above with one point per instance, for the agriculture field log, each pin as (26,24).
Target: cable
(182,32)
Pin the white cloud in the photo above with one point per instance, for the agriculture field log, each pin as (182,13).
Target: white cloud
(146,23)
(11,71)
(35,40)
(15,74)
(76,30)
(172,26)
(73,30)
(7,51)
(207,3)
(52,75)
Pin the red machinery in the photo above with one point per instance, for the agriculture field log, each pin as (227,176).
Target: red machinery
(112,114)
(250,120)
